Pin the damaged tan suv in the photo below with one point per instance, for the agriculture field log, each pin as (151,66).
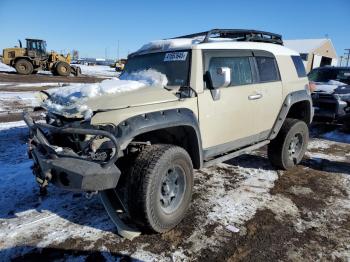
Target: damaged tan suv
(181,104)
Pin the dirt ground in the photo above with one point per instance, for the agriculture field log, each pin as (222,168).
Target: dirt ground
(12,77)
(297,215)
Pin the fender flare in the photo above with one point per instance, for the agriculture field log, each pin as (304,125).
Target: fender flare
(13,62)
(140,124)
(289,101)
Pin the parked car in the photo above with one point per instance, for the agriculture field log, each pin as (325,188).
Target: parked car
(331,97)
(228,92)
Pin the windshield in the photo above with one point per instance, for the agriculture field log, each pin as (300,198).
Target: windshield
(325,75)
(175,65)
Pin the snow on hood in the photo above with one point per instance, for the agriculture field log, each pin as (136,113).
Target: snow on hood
(72,99)
(328,87)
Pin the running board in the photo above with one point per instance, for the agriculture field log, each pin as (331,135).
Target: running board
(123,229)
(235,154)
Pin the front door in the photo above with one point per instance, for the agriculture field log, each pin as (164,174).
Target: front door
(230,121)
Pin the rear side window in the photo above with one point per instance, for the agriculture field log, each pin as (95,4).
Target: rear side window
(267,68)
(299,66)
(241,73)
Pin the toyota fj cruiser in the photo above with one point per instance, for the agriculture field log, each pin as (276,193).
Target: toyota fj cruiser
(228,92)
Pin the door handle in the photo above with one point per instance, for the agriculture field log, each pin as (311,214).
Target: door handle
(255,97)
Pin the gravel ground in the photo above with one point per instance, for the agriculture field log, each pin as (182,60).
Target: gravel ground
(242,210)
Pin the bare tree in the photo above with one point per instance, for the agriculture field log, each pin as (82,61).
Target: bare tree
(75,54)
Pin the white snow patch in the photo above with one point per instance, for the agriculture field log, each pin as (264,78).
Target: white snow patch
(6,68)
(329,157)
(8,125)
(38,85)
(11,101)
(328,87)
(337,136)
(319,144)
(238,205)
(98,70)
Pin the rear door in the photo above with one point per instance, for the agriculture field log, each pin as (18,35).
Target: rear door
(269,92)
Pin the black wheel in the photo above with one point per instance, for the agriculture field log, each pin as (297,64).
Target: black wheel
(160,187)
(289,147)
(24,67)
(63,69)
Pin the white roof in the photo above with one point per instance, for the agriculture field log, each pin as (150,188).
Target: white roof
(304,46)
(195,43)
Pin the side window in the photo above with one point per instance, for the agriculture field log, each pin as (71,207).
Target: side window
(267,68)
(241,73)
(299,66)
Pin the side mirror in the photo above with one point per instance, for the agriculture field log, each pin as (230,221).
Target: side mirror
(221,77)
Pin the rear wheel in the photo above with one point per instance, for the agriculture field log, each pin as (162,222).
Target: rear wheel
(160,187)
(289,147)
(24,67)
(63,69)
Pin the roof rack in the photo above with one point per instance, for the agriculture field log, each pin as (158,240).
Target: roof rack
(243,35)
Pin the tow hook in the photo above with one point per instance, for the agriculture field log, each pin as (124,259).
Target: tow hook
(43,182)
(89,195)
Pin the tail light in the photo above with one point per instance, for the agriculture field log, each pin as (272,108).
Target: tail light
(311,86)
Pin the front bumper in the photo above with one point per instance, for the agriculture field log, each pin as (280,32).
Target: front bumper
(63,167)
(329,108)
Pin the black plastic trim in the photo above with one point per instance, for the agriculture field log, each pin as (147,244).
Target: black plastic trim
(140,124)
(289,101)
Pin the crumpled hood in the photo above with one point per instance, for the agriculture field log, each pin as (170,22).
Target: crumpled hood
(139,97)
(142,96)
(136,89)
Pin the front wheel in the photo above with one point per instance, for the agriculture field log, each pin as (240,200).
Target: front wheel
(160,187)
(289,147)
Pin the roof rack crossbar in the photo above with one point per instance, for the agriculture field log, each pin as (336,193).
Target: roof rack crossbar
(237,35)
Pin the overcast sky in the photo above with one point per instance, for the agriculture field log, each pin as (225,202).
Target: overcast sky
(95,27)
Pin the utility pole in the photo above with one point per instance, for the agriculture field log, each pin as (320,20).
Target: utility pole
(341,59)
(348,56)
(106,53)
(118,50)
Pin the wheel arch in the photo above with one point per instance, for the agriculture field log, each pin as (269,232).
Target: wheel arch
(296,105)
(14,61)
(174,126)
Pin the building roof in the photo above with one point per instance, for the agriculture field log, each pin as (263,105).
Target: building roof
(305,46)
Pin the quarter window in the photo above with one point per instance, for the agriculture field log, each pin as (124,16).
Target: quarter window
(241,73)
(267,68)
(299,66)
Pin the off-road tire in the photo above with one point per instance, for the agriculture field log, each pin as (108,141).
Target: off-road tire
(279,148)
(24,67)
(63,69)
(145,187)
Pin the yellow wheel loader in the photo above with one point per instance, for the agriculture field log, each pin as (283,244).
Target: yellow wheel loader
(120,64)
(34,57)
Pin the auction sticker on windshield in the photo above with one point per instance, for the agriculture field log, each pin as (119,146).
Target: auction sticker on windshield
(175,56)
